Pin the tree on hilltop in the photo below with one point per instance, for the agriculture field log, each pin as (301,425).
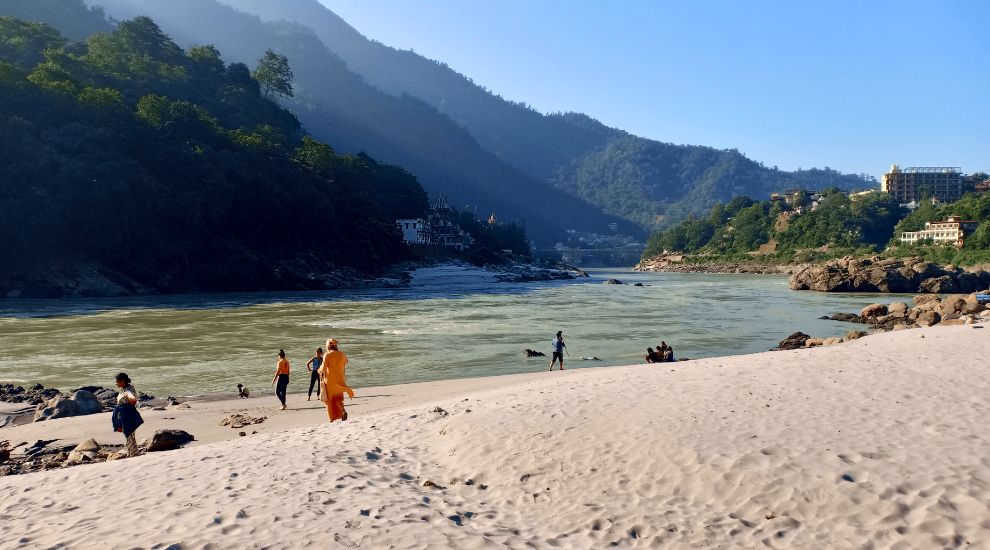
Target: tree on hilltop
(274,75)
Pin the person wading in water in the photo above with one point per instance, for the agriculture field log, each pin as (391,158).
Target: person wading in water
(333,381)
(558,347)
(282,377)
(314,373)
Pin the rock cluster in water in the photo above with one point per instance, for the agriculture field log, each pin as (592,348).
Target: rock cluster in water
(900,275)
(676,264)
(925,310)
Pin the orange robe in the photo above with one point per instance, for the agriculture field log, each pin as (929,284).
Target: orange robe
(333,384)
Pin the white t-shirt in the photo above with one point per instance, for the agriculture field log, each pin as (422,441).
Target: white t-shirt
(126,395)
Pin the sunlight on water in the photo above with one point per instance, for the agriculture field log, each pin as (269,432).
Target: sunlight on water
(452,323)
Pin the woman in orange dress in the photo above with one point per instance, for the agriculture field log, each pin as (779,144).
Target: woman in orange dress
(333,383)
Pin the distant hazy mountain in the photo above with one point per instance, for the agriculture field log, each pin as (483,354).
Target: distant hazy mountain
(638,179)
(340,107)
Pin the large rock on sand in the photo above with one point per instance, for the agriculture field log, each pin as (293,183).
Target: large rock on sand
(166,440)
(794,341)
(81,403)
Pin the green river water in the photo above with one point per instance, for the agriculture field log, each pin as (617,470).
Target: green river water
(452,323)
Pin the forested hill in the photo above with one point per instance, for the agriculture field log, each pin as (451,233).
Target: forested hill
(152,169)
(340,107)
(640,180)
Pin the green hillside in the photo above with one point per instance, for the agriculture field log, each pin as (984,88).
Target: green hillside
(168,170)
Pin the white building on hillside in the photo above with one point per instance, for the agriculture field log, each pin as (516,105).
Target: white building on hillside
(951,231)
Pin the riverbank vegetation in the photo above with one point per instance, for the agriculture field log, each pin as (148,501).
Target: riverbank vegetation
(774,232)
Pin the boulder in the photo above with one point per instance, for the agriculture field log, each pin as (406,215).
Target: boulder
(854,335)
(81,403)
(166,440)
(897,308)
(952,304)
(88,445)
(957,321)
(80,457)
(922,299)
(116,455)
(614,282)
(972,309)
(928,318)
(813,342)
(832,341)
(846,317)
(873,311)
(794,341)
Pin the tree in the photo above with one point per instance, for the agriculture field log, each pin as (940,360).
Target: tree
(274,75)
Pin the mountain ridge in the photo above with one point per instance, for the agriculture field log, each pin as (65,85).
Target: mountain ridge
(642,180)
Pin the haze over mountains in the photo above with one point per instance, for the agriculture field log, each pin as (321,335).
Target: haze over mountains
(554,172)
(635,178)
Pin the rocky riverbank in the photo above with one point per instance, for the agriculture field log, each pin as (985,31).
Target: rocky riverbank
(86,280)
(678,264)
(925,310)
(896,275)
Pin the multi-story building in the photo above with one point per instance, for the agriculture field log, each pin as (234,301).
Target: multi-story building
(917,183)
(951,231)
(440,228)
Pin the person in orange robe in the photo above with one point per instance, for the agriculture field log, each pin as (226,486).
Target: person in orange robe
(332,381)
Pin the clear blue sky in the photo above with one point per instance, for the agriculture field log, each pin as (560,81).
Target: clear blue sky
(850,84)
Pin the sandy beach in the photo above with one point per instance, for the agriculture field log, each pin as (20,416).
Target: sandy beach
(878,443)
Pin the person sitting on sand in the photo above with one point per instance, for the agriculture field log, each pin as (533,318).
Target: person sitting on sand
(242,391)
(558,347)
(662,351)
(126,417)
(282,376)
(668,355)
(314,373)
(333,380)
(652,356)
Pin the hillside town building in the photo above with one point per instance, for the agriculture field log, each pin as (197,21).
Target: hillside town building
(914,184)
(440,228)
(798,199)
(951,231)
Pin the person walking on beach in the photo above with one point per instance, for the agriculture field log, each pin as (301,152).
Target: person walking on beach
(126,417)
(282,377)
(314,373)
(333,380)
(558,347)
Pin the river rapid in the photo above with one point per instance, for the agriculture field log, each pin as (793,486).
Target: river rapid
(453,322)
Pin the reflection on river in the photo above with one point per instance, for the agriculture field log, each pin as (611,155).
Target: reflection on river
(452,323)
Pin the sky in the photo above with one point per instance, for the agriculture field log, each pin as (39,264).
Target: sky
(852,85)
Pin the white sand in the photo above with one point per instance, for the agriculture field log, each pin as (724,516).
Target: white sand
(736,452)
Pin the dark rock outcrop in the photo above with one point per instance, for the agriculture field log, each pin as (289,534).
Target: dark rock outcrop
(794,341)
(166,440)
(899,275)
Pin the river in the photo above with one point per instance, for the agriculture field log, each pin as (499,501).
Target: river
(451,323)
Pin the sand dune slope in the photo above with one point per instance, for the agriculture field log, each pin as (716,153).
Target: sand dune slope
(883,442)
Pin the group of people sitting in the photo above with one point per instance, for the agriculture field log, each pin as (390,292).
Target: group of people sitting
(663,354)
